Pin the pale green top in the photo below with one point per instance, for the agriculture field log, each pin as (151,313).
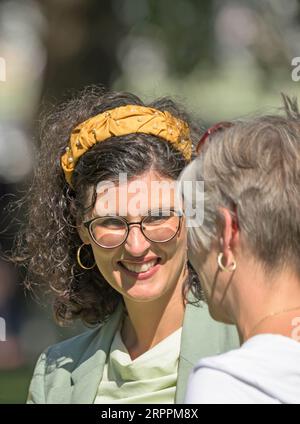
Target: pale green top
(149,378)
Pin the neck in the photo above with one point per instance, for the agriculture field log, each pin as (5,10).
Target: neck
(285,323)
(148,323)
(263,306)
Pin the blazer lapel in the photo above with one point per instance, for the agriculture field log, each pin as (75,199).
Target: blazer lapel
(201,337)
(88,374)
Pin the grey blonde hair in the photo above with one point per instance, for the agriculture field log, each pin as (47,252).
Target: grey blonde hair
(253,170)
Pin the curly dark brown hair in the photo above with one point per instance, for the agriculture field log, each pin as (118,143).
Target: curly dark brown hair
(48,243)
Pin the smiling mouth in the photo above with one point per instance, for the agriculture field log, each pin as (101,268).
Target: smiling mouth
(139,268)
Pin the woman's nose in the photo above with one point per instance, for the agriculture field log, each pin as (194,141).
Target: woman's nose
(136,243)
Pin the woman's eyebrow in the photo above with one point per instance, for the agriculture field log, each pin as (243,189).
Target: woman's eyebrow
(148,212)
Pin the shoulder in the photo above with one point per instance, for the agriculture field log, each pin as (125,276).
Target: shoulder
(58,363)
(249,374)
(212,386)
(76,349)
(53,363)
(70,350)
(223,380)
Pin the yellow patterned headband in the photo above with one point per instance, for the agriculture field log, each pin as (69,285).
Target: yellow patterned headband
(121,121)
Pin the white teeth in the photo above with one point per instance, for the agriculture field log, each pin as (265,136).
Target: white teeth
(140,268)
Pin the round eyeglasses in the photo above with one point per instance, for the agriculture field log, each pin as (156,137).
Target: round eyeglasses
(112,231)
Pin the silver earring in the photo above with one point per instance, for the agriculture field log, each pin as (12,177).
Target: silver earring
(230,268)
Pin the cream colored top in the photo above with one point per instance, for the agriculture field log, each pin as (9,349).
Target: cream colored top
(149,378)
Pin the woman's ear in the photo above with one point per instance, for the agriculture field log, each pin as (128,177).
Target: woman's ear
(182,227)
(229,235)
(83,233)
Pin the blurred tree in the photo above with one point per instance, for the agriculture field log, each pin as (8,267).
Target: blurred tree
(81,40)
(90,42)
(188,32)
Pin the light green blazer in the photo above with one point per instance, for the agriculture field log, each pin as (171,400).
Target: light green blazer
(70,371)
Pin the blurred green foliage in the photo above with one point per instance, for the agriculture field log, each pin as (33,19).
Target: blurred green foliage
(14,385)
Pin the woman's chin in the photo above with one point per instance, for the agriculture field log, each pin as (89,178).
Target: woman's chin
(219,315)
(146,289)
(142,293)
(142,288)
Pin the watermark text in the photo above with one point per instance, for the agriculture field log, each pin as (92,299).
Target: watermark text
(296,69)
(2,69)
(2,330)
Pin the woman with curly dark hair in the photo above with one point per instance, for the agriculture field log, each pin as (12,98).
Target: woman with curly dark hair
(115,262)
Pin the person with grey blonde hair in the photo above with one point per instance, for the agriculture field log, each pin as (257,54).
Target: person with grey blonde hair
(247,255)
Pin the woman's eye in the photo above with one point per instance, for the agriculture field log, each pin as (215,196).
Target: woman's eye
(155,220)
(111,223)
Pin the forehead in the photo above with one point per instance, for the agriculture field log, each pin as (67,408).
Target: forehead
(135,196)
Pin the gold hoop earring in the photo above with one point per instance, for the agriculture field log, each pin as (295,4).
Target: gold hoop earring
(79,260)
(231,267)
